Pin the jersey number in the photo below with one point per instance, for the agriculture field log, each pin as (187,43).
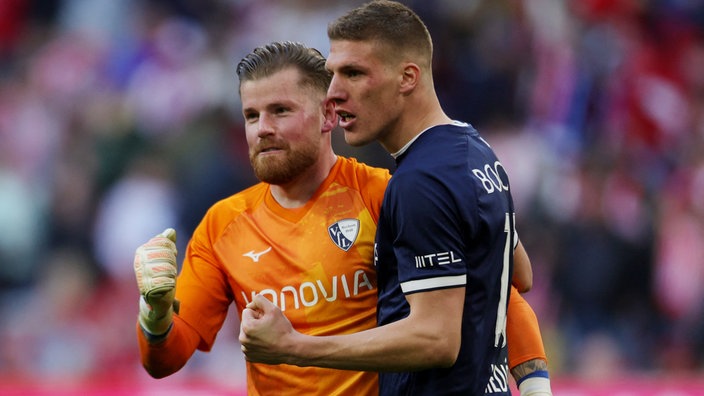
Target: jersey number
(500,330)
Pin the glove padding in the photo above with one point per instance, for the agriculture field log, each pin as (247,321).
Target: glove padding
(155,268)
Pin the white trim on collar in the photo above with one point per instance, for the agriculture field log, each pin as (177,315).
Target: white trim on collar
(407,145)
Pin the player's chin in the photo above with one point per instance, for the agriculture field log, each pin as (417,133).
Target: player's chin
(355,139)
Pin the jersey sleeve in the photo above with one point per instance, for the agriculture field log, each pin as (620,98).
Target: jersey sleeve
(204,296)
(202,285)
(168,356)
(428,245)
(523,332)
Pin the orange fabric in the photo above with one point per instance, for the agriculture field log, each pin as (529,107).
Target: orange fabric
(522,332)
(314,262)
(169,356)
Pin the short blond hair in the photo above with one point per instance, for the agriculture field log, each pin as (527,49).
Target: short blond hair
(269,59)
(389,23)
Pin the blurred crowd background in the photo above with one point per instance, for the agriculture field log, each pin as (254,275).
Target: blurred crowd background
(121,118)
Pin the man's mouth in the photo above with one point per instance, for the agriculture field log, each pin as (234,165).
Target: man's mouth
(266,150)
(345,117)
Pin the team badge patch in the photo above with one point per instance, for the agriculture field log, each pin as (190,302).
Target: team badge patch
(344,232)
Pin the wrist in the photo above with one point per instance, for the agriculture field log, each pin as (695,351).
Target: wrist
(153,338)
(155,323)
(535,384)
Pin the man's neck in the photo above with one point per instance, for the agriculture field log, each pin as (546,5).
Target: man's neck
(417,120)
(299,191)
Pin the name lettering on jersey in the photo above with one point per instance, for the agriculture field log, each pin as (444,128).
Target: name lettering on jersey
(344,232)
(490,177)
(498,382)
(256,255)
(310,293)
(435,259)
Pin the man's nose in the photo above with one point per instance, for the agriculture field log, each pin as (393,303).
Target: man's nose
(335,91)
(265,125)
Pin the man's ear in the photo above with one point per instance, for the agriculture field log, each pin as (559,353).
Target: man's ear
(410,77)
(331,117)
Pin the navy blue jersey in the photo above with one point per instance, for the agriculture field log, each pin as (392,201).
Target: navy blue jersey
(447,221)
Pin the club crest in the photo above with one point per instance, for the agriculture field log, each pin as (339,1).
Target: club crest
(344,232)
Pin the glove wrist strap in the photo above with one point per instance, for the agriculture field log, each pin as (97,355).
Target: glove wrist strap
(153,323)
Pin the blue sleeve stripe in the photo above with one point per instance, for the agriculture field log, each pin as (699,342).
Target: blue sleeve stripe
(433,283)
(537,373)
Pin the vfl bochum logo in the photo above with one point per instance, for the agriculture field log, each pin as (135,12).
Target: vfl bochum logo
(344,232)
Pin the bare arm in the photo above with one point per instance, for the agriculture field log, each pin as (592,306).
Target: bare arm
(522,269)
(529,367)
(429,337)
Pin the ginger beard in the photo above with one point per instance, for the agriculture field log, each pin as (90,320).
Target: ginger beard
(284,167)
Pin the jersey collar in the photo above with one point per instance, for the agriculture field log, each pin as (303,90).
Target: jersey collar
(410,142)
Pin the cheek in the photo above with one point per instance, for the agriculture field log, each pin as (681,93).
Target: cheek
(302,127)
(251,135)
(375,99)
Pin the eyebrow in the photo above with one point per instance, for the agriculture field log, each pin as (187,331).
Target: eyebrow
(352,66)
(273,105)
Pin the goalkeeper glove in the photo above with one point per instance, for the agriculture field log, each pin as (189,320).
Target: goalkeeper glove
(155,269)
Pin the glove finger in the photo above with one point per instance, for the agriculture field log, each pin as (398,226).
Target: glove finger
(166,239)
(155,269)
(161,283)
(169,233)
(157,284)
(155,264)
(160,242)
(158,292)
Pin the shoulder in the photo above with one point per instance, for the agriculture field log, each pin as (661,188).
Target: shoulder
(227,210)
(350,167)
(241,201)
(369,182)
(360,176)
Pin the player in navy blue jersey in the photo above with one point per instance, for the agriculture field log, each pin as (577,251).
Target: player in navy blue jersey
(446,232)
(445,240)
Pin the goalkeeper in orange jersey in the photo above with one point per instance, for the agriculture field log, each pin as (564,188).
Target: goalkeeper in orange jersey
(303,237)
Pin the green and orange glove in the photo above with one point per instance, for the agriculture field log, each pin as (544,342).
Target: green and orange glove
(155,268)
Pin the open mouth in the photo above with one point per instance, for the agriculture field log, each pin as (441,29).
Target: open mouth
(345,118)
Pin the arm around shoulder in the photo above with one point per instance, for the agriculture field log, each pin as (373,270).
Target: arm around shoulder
(522,269)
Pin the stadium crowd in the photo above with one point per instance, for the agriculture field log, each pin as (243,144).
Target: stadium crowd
(120,118)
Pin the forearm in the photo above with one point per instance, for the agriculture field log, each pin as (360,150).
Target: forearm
(167,356)
(399,346)
(533,378)
(531,366)
(522,269)
(429,337)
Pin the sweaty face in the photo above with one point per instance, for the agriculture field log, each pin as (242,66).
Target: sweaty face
(364,90)
(283,126)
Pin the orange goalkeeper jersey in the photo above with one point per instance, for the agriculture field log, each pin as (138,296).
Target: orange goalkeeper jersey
(314,262)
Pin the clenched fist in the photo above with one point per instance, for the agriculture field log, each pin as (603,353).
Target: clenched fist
(155,268)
